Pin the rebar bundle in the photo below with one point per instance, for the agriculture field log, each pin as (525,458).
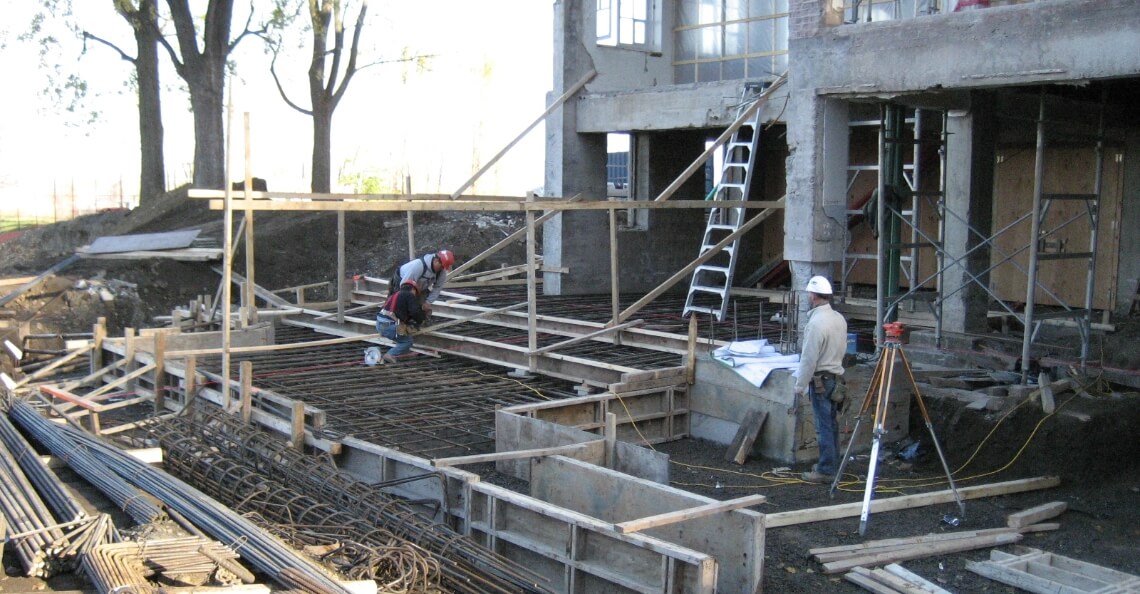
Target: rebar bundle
(261,549)
(47,484)
(84,463)
(466,566)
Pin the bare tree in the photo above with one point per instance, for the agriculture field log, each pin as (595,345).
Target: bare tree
(332,65)
(143,19)
(69,90)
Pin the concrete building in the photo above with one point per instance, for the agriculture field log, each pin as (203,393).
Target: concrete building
(984,123)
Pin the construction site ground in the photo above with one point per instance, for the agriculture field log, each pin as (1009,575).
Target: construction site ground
(1090,441)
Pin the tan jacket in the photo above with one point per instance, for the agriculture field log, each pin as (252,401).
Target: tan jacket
(824,344)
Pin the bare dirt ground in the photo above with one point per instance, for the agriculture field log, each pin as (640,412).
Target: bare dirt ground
(1097,459)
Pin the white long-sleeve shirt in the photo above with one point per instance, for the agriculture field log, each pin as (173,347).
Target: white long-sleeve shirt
(824,344)
(427,280)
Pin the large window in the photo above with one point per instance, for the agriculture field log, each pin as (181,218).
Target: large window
(627,23)
(730,40)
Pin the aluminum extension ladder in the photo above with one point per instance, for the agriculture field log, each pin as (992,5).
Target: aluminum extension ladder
(708,290)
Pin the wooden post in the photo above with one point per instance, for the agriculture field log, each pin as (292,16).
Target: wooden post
(298,433)
(614,284)
(691,364)
(341,268)
(248,299)
(159,372)
(191,382)
(246,375)
(411,221)
(531,291)
(611,438)
(98,333)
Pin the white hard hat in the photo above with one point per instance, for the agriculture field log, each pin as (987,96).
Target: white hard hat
(818,284)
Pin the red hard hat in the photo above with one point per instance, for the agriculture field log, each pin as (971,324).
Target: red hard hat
(446,258)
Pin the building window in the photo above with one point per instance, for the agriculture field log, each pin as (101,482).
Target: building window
(626,23)
(730,40)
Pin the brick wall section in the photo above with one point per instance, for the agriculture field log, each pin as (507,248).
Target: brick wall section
(806,18)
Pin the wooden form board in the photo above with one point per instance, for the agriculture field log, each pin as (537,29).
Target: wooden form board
(734,538)
(1067,170)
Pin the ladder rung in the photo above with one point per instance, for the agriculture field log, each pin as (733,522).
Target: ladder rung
(706,289)
(722,227)
(707,268)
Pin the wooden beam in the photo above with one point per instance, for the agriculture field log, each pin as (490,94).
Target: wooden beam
(402,204)
(512,455)
(1034,515)
(850,510)
(595,334)
(437,327)
(274,347)
(745,436)
(701,259)
(508,240)
(557,103)
(700,511)
(700,161)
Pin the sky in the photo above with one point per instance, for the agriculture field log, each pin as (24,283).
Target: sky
(487,81)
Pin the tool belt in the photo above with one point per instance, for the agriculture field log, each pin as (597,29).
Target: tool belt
(839,394)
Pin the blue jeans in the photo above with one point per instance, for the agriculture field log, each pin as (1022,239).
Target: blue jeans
(826,427)
(387,328)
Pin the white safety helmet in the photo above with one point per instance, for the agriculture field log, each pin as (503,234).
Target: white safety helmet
(818,284)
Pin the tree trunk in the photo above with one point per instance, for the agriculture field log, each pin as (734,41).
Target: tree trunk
(152,178)
(204,72)
(322,148)
(209,133)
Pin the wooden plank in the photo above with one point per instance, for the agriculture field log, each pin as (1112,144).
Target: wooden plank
(589,336)
(926,550)
(557,103)
(745,436)
(1035,514)
(897,582)
(700,511)
(850,510)
(910,576)
(506,204)
(512,455)
(868,583)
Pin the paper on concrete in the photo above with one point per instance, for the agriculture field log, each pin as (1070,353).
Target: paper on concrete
(754,360)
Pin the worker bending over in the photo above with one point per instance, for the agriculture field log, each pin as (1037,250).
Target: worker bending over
(400,315)
(430,274)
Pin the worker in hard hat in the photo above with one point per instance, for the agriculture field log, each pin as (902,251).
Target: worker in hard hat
(430,273)
(821,367)
(400,315)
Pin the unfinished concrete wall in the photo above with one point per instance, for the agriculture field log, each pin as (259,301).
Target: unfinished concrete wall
(1017,44)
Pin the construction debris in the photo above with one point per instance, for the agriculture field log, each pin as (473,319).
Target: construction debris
(1048,573)
(1034,515)
(878,552)
(892,579)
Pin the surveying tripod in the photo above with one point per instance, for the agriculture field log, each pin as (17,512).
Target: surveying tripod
(880,386)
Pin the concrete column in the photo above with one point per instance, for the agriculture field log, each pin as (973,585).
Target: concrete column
(970,160)
(815,221)
(575,164)
(1128,273)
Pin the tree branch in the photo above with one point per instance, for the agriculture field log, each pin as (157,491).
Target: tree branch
(281,89)
(114,47)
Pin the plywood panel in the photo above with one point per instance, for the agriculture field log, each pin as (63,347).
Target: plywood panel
(1067,170)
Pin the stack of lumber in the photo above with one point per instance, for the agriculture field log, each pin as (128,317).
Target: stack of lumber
(879,552)
(892,579)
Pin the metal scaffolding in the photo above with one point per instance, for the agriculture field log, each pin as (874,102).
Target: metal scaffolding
(911,192)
